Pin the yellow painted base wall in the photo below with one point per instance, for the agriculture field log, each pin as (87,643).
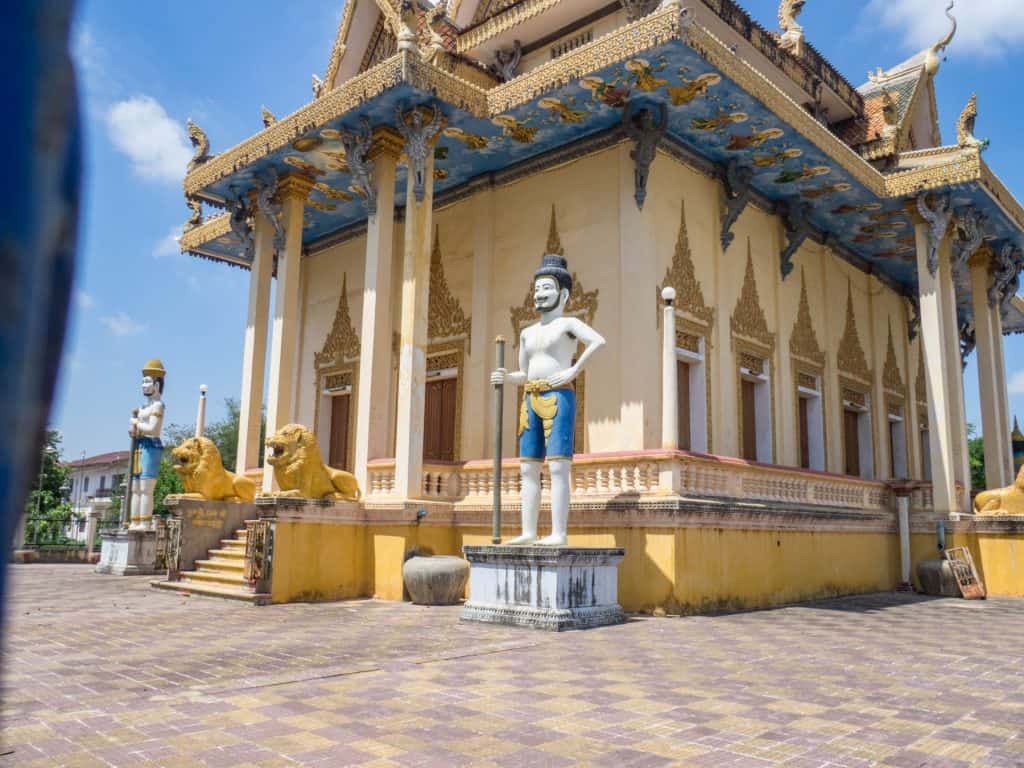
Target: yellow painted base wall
(684,570)
(999,558)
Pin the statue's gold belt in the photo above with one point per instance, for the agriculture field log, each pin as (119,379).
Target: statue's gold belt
(545,407)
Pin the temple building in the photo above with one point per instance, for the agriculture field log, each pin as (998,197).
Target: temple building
(833,262)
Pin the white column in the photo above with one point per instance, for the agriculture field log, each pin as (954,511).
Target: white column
(373,394)
(477,432)
(91,524)
(933,344)
(954,369)
(293,190)
(669,373)
(412,354)
(988,332)
(254,358)
(637,323)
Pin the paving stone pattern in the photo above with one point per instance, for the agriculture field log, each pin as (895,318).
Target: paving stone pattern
(106,671)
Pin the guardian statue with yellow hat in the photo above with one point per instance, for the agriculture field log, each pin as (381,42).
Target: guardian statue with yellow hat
(145,427)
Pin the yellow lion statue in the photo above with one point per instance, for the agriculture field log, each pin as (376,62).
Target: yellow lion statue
(197,462)
(300,471)
(1002,501)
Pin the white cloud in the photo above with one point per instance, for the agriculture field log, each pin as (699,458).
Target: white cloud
(84,300)
(984,27)
(1016,384)
(156,145)
(120,324)
(168,246)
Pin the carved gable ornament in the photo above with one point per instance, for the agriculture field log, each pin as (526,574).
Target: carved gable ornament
(803,342)
(748,319)
(445,318)
(682,276)
(341,343)
(581,304)
(892,380)
(850,358)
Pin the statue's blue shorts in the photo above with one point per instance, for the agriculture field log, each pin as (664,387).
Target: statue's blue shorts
(146,463)
(547,422)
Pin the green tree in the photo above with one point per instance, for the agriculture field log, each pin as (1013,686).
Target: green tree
(223,433)
(46,510)
(167,482)
(52,481)
(976,456)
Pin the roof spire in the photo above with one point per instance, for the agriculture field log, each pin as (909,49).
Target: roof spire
(931,59)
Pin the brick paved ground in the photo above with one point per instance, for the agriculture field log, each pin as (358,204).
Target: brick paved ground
(102,671)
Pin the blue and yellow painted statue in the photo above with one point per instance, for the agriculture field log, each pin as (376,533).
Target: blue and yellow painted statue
(547,417)
(145,427)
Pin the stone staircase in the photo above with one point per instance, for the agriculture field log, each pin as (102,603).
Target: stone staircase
(222,574)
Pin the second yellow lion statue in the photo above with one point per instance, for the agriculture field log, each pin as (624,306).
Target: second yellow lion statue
(299,469)
(1002,501)
(197,462)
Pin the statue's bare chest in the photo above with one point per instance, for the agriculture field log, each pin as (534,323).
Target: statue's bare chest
(553,339)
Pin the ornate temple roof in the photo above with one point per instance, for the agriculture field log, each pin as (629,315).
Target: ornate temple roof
(523,83)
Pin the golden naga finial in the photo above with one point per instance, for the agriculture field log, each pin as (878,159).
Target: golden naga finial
(931,59)
(965,125)
(269,118)
(792,33)
(200,142)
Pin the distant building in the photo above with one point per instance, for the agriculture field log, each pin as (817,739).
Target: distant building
(94,479)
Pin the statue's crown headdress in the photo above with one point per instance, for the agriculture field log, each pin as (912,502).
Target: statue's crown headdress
(553,265)
(154,368)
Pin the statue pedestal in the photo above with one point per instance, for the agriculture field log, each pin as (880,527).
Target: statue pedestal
(127,553)
(552,588)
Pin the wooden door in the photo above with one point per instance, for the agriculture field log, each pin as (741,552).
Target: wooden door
(683,404)
(439,420)
(805,435)
(339,431)
(851,442)
(748,414)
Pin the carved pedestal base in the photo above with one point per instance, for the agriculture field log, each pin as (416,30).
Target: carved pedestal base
(128,553)
(552,588)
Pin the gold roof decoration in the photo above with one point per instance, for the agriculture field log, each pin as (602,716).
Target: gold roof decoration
(803,342)
(682,276)
(748,319)
(892,379)
(341,343)
(850,358)
(1016,434)
(445,318)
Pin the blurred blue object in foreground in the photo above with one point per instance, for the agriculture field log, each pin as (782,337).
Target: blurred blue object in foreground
(40,141)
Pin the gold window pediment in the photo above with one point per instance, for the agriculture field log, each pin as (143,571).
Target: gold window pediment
(748,320)
(803,341)
(682,277)
(850,358)
(445,317)
(892,379)
(342,342)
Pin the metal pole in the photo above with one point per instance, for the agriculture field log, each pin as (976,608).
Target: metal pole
(499,396)
(126,506)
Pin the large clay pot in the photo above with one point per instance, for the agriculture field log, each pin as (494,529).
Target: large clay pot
(436,580)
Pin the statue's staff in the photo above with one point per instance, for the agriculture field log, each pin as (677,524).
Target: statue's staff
(499,393)
(126,504)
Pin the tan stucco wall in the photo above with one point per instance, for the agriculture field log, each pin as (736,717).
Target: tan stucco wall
(597,223)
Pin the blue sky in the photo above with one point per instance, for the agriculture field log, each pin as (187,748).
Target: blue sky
(145,68)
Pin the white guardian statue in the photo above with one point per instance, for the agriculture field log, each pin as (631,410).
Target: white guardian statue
(145,427)
(547,417)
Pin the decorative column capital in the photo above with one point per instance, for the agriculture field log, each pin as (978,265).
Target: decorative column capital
(293,186)
(935,212)
(421,127)
(982,257)
(385,142)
